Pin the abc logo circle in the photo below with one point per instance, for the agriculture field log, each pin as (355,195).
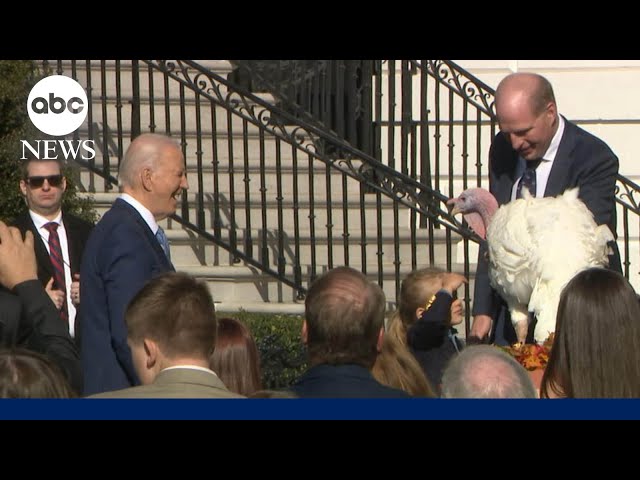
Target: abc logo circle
(57,105)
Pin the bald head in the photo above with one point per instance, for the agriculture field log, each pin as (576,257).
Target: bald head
(527,113)
(144,152)
(528,90)
(484,371)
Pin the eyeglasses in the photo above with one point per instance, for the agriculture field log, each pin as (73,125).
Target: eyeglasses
(37,182)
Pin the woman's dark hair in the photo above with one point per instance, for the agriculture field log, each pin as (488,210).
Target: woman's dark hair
(236,359)
(596,348)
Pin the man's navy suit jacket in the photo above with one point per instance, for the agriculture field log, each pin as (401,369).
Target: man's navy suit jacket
(583,161)
(121,256)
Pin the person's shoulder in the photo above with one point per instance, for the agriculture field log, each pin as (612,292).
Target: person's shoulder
(132,392)
(118,232)
(76,223)
(501,154)
(76,220)
(587,140)
(118,218)
(22,221)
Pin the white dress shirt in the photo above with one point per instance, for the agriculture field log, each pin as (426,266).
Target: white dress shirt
(39,221)
(544,169)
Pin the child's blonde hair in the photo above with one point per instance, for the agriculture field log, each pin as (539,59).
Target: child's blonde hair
(416,290)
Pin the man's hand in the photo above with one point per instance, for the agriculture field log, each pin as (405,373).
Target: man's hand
(75,289)
(481,326)
(56,296)
(17,257)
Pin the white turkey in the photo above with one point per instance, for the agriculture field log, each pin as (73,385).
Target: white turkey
(536,245)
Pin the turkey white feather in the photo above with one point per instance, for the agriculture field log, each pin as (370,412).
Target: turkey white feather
(535,245)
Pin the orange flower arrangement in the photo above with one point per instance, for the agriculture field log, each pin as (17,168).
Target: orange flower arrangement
(531,356)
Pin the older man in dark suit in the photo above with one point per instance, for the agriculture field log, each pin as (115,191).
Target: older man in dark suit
(43,185)
(126,249)
(540,150)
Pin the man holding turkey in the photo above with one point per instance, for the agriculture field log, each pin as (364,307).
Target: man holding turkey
(539,150)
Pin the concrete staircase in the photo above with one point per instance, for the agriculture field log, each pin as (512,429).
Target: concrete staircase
(236,285)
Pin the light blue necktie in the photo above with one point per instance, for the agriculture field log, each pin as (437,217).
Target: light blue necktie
(164,243)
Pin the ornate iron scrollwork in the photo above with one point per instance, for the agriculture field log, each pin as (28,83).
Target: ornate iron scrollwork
(305,137)
(625,191)
(460,81)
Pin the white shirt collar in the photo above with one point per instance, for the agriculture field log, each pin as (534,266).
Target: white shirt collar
(550,154)
(39,221)
(142,210)
(191,367)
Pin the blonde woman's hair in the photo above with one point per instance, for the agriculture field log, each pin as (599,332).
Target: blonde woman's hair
(396,367)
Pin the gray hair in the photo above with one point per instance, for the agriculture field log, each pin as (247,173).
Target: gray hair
(484,371)
(143,152)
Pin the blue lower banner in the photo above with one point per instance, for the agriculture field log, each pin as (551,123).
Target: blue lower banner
(318,409)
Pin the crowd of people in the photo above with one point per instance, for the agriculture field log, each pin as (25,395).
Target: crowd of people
(99,311)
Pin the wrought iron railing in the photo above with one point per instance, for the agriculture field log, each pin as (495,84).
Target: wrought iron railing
(344,225)
(248,159)
(435,121)
(337,93)
(627,195)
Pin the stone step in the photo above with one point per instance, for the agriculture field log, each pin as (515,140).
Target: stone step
(254,180)
(230,283)
(188,249)
(184,115)
(238,213)
(221,147)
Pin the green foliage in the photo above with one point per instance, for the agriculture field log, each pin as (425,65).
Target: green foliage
(283,357)
(17,77)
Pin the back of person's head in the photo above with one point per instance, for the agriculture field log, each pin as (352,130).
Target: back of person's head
(396,367)
(144,152)
(596,348)
(236,359)
(176,311)
(415,291)
(28,374)
(485,371)
(344,314)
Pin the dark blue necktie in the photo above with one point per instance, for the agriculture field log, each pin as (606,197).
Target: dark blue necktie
(528,179)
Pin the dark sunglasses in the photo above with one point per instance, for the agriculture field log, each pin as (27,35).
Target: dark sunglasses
(37,182)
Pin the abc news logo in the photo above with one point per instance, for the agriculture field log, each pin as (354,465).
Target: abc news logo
(56,104)
(57,107)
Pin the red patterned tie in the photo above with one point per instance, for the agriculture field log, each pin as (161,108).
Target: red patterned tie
(55,253)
